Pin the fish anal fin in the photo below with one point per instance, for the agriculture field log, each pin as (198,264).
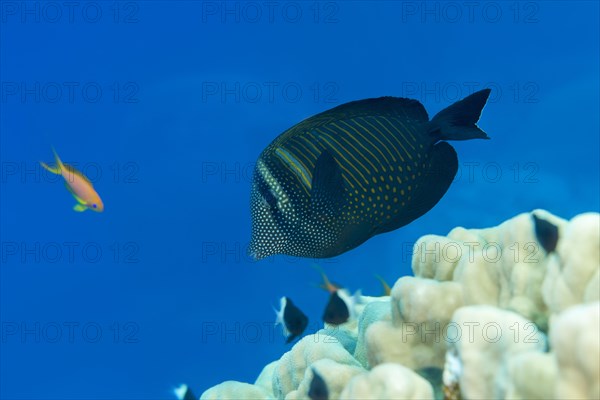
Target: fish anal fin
(432,187)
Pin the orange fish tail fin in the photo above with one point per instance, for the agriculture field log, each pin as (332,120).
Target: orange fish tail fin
(387,290)
(326,285)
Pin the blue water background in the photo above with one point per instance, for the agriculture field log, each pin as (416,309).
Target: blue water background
(171,105)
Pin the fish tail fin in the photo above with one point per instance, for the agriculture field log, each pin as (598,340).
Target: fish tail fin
(58,168)
(57,159)
(278,316)
(183,392)
(54,170)
(459,121)
(387,290)
(279,313)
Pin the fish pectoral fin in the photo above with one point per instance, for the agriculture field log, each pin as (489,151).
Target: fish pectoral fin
(80,200)
(79,207)
(327,188)
(54,170)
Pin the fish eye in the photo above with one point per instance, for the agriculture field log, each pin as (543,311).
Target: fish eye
(93,205)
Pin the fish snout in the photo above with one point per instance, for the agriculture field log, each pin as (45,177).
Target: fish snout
(97,206)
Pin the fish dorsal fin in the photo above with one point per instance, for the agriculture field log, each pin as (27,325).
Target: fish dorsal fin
(384,106)
(381,106)
(327,188)
(73,171)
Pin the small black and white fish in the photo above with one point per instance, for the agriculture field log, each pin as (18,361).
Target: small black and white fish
(546,233)
(338,178)
(293,321)
(341,305)
(318,388)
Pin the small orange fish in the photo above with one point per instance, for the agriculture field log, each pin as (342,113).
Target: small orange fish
(79,186)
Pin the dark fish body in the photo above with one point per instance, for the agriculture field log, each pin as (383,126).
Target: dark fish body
(336,311)
(293,320)
(546,233)
(318,388)
(363,168)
